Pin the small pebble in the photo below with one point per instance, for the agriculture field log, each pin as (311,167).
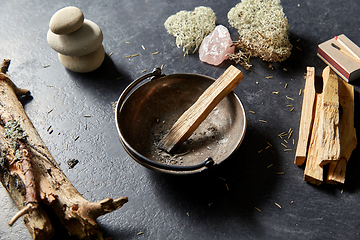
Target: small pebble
(85,40)
(66,20)
(72,162)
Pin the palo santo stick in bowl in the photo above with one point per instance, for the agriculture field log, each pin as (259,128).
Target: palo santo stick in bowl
(192,118)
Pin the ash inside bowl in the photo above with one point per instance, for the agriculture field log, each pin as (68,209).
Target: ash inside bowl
(200,143)
(203,138)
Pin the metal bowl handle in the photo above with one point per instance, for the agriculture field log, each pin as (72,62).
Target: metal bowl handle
(208,163)
(156,73)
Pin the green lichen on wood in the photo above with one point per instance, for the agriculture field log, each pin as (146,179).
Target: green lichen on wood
(4,164)
(14,131)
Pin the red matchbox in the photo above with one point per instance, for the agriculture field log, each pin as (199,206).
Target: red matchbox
(344,65)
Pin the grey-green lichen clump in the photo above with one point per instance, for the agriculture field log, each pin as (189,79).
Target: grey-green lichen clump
(190,27)
(262,27)
(14,131)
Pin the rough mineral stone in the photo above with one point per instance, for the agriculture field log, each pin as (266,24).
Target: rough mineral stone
(83,41)
(66,20)
(215,47)
(85,63)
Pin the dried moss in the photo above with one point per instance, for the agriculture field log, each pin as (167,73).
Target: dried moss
(190,27)
(262,27)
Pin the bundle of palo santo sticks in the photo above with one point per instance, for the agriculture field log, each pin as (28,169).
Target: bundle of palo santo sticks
(326,134)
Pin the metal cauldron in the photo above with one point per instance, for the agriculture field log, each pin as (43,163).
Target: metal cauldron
(147,109)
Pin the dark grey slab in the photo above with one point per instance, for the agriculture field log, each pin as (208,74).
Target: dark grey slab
(166,207)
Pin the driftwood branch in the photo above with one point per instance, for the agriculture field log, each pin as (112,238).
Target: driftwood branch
(31,175)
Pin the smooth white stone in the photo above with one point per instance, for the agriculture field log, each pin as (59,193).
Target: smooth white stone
(66,20)
(215,47)
(83,41)
(85,63)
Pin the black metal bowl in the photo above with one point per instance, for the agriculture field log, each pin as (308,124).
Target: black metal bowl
(146,110)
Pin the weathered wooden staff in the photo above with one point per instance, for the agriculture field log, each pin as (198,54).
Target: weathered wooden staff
(33,178)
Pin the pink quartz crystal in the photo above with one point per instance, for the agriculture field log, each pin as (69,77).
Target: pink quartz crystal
(215,47)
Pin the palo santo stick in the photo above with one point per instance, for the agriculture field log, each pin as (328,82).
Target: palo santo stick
(306,120)
(192,118)
(337,171)
(330,142)
(348,141)
(313,171)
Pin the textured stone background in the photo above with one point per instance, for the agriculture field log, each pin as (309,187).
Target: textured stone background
(167,207)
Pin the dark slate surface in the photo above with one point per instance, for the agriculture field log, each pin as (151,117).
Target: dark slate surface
(167,207)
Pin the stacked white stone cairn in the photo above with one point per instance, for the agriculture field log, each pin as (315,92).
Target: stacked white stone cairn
(78,41)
